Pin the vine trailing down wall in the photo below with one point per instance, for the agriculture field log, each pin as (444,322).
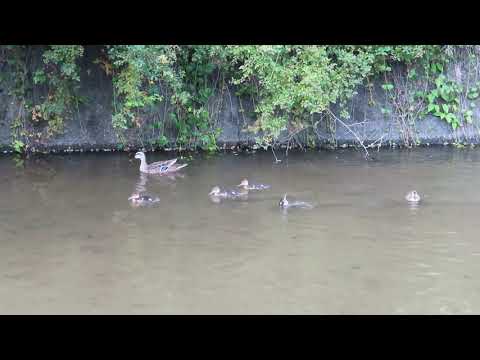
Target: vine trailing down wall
(172,96)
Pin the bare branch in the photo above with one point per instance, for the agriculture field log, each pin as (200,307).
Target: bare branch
(379,141)
(367,155)
(273,152)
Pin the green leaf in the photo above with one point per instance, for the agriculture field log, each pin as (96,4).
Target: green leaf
(412,73)
(431,97)
(451,119)
(387,87)
(39,77)
(468,116)
(472,95)
(439,82)
(445,108)
(419,94)
(446,95)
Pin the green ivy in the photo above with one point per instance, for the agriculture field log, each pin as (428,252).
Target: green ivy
(57,78)
(444,100)
(60,74)
(290,86)
(142,74)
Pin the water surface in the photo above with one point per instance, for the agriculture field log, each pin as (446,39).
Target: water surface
(71,243)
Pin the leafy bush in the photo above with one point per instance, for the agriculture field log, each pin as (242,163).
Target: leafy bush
(291,86)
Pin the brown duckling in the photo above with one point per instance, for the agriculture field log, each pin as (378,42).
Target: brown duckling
(247,186)
(143,200)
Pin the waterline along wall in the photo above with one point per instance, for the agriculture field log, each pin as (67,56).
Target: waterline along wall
(90,126)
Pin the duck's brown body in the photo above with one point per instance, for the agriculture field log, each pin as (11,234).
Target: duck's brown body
(159,167)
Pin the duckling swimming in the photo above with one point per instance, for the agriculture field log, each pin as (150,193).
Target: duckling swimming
(143,200)
(285,204)
(216,194)
(413,197)
(246,186)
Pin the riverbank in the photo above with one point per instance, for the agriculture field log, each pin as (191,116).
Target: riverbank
(373,119)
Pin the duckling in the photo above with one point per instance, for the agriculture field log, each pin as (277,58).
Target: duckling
(216,192)
(159,167)
(142,200)
(246,186)
(413,197)
(285,204)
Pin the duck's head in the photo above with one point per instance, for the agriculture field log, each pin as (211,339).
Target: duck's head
(244,183)
(215,191)
(284,201)
(140,155)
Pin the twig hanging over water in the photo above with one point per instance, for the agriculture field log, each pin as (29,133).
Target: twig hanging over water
(367,155)
(378,141)
(273,152)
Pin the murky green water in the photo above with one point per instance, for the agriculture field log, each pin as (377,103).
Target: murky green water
(71,243)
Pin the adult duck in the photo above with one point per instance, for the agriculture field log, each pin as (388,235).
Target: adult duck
(159,167)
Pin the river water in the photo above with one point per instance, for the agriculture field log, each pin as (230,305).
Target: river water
(70,241)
